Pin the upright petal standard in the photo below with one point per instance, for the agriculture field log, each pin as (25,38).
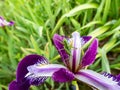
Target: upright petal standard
(35,69)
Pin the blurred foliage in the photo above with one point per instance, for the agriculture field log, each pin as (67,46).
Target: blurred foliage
(37,20)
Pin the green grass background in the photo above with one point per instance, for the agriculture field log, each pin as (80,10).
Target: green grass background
(36,21)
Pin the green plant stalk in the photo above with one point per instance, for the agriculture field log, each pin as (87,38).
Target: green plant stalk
(60,22)
(75,84)
(106,10)
(105,62)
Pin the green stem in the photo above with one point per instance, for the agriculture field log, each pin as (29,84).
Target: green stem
(60,22)
(75,84)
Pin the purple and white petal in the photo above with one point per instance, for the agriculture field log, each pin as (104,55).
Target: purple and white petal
(22,68)
(27,61)
(115,78)
(76,44)
(85,39)
(3,22)
(97,80)
(90,54)
(44,70)
(38,73)
(21,81)
(63,75)
(58,42)
(35,79)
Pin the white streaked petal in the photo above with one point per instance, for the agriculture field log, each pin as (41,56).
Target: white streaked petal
(97,80)
(75,41)
(44,70)
(38,73)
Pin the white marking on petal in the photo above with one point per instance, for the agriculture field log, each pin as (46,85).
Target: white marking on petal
(44,70)
(97,80)
(39,72)
(75,50)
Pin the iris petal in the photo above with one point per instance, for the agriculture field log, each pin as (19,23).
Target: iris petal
(63,75)
(27,61)
(38,73)
(115,78)
(58,42)
(44,70)
(35,79)
(75,51)
(16,86)
(21,81)
(97,80)
(90,54)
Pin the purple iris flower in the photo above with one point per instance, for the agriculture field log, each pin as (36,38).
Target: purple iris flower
(35,69)
(3,22)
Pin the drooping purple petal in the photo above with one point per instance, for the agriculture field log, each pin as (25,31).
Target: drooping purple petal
(13,86)
(85,39)
(90,54)
(27,61)
(16,86)
(21,81)
(3,22)
(58,42)
(63,75)
(97,80)
(75,41)
(40,72)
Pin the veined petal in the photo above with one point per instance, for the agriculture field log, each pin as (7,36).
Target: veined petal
(90,54)
(97,80)
(40,72)
(63,75)
(115,78)
(75,51)
(58,42)
(27,61)
(21,81)
(44,70)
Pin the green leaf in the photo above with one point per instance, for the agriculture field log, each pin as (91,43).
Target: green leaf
(35,45)
(79,8)
(105,62)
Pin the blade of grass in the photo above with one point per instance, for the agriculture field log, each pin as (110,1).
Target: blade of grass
(35,45)
(106,10)
(71,13)
(105,62)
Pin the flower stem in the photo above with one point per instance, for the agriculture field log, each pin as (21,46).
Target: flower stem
(75,84)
